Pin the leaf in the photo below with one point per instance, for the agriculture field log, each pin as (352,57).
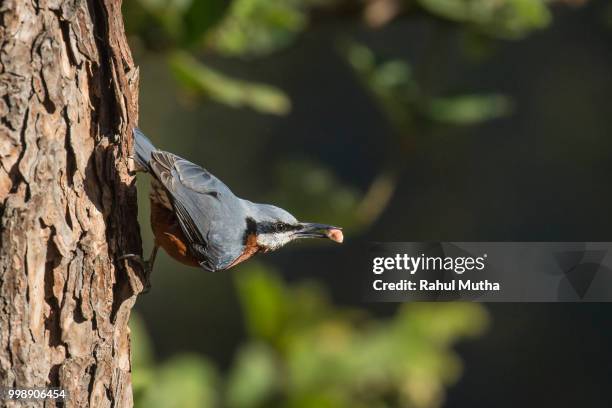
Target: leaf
(443,323)
(264,302)
(254,377)
(141,350)
(360,57)
(468,109)
(187,381)
(257,27)
(223,89)
(390,82)
(504,18)
(200,17)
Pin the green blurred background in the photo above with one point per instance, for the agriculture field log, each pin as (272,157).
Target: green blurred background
(401,120)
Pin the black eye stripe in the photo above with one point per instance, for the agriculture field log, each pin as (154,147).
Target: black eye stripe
(277,226)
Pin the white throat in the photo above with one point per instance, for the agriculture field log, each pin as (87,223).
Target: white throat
(274,240)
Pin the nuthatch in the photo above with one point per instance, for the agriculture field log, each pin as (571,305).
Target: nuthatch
(198,221)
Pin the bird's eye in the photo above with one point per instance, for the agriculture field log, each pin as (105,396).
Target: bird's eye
(279,226)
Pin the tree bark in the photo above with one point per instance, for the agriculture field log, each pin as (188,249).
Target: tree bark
(68,104)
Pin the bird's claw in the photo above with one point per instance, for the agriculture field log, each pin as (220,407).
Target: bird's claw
(147,267)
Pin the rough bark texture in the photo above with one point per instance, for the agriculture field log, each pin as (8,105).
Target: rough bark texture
(68,102)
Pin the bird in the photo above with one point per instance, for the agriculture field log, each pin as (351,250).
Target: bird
(200,222)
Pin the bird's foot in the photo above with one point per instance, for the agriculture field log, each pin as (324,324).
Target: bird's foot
(146,266)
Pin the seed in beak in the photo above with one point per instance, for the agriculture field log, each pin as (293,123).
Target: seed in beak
(335,235)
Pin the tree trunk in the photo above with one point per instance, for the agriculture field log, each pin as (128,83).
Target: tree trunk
(67,200)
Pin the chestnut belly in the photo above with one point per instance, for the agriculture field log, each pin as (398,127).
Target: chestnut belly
(168,234)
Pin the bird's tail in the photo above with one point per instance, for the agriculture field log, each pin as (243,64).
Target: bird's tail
(143,149)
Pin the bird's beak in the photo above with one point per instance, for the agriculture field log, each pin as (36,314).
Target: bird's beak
(313,230)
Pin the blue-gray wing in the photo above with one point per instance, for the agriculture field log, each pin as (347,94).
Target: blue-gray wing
(209,214)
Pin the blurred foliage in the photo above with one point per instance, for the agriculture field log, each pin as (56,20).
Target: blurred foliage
(187,32)
(315,192)
(255,27)
(183,29)
(252,28)
(303,351)
(500,18)
(403,100)
(468,109)
(220,88)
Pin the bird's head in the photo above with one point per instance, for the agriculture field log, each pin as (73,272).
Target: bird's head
(276,227)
